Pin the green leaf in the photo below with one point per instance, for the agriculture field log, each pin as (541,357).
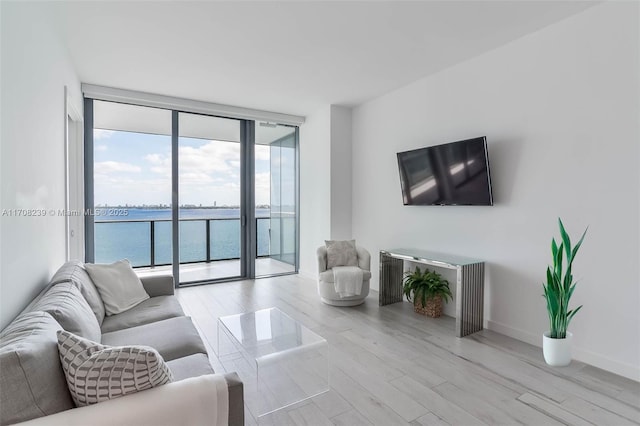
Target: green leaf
(570,314)
(558,261)
(575,249)
(565,239)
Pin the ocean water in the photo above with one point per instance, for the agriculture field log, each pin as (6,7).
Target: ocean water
(129,236)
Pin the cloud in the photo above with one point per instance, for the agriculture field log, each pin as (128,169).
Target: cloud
(102,134)
(156,159)
(212,157)
(160,164)
(106,167)
(202,164)
(100,148)
(191,178)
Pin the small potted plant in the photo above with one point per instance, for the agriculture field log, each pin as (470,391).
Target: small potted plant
(556,343)
(427,289)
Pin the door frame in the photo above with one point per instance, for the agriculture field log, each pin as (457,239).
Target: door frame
(73,179)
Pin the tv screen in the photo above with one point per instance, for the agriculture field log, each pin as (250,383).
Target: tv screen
(451,174)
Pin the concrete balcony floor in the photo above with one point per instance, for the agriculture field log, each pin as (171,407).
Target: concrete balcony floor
(219,269)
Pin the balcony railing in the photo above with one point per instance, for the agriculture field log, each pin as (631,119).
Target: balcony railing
(147,242)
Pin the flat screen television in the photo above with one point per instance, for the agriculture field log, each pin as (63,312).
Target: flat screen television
(451,174)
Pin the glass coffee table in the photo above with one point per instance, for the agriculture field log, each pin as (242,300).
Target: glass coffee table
(290,362)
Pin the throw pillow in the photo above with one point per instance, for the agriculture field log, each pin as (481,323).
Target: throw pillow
(97,373)
(341,253)
(118,285)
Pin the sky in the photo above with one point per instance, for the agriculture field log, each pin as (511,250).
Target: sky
(135,169)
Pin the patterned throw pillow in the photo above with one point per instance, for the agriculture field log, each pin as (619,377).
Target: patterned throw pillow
(97,373)
(341,253)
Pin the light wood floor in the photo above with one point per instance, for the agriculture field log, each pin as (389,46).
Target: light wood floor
(389,366)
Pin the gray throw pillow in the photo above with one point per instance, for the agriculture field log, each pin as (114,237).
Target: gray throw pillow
(341,253)
(118,285)
(97,373)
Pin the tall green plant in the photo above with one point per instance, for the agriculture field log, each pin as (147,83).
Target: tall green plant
(559,286)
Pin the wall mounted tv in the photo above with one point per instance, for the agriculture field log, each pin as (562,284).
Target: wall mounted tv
(451,174)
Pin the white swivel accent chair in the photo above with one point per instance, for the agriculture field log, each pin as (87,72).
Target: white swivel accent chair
(326,285)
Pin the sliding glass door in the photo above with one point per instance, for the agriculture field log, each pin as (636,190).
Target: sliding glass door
(207,198)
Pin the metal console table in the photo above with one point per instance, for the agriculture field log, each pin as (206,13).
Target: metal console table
(469,283)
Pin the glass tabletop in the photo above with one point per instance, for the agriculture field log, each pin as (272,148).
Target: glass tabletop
(269,331)
(432,256)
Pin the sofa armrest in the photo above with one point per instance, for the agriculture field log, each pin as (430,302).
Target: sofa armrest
(322,258)
(364,258)
(186,402)
(236,399)
(158,285)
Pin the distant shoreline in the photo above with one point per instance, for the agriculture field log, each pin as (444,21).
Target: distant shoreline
(184,206)
(149,213)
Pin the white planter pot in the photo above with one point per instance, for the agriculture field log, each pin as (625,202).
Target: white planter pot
(557,352)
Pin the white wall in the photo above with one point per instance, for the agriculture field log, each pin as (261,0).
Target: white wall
(315,187)
(35,68)
(340,173)
(560,109)
(325,182)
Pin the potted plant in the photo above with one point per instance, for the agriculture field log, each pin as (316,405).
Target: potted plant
(556,343)
(427,289)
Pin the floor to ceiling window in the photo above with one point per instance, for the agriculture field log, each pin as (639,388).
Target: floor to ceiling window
(131,188)
(276,198)
(209,198)
(172,192)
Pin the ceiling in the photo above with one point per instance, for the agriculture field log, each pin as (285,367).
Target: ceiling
(287,57)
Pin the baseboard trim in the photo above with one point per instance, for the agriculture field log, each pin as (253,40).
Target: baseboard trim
(629,371)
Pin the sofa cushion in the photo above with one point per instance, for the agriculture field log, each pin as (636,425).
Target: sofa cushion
(65,303)
(33,383)
(341,253)
(173,338)
(118,285)
(74,271)
(151,310)
(327,276)
(97,373)
(190,366)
